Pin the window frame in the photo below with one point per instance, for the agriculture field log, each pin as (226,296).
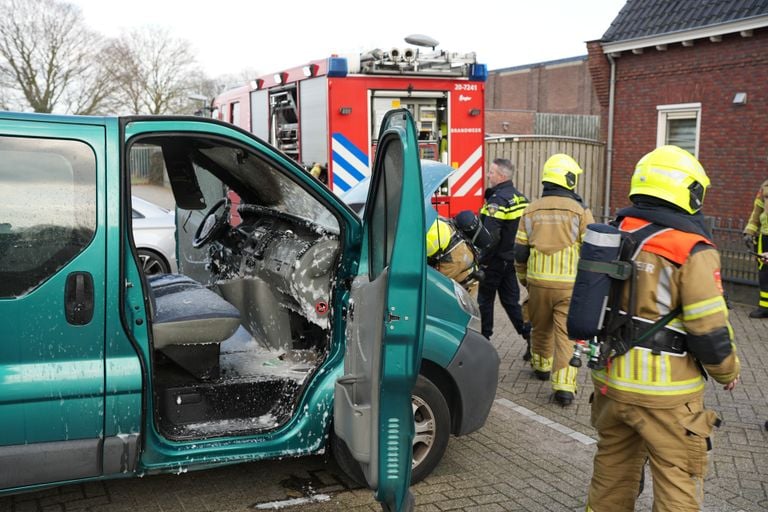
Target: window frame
(677,111)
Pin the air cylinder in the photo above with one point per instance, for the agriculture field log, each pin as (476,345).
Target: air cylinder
(592,287)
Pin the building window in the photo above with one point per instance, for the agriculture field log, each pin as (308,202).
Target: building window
(680,125)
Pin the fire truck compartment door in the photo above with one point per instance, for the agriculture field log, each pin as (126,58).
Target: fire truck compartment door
(313,102)
(385,320)
(260,114)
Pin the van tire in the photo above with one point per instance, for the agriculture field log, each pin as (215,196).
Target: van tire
(431,413)
(349,466)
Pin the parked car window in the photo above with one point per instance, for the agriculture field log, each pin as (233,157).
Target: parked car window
(47,208)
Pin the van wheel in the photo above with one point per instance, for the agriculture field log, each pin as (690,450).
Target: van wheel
(432,421)
(346,462)
(433,425)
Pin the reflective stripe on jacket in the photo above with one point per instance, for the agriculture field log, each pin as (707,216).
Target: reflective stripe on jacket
(552,229)
(500,214)
(674,268)
(758,219)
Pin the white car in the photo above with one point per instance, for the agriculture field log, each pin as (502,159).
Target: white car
(154,232)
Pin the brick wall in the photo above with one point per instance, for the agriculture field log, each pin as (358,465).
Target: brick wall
(733,143)
(562,87)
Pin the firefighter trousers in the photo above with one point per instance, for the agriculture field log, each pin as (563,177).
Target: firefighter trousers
(551,350)
(675,441)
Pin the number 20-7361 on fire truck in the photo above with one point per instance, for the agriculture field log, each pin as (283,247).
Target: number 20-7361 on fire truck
(328,112)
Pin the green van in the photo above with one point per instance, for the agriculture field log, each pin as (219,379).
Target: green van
(292,327)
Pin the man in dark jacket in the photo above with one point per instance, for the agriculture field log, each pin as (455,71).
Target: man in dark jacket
(500,214)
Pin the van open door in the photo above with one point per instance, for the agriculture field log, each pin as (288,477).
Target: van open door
(385,320)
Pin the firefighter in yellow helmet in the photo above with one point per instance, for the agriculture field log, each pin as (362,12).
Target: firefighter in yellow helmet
(547,249)
(648,399)
(451,255)
(756,238)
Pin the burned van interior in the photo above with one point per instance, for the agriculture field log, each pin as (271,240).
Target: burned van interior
(238,332)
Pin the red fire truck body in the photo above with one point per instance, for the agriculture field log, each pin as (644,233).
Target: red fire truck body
(329,112)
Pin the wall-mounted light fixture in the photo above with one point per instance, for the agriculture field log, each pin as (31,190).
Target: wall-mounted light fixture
(740,98)
(474,112)
(345,111)
(505,126)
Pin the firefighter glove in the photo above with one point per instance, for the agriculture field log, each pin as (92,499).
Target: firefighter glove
(749,241)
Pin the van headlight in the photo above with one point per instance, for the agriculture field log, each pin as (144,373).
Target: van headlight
(469,305)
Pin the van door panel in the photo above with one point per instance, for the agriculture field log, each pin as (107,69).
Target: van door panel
(51,367)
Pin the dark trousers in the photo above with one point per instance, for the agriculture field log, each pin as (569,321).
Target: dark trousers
(500,277)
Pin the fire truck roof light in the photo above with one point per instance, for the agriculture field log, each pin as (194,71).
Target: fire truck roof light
(337,66)
(478,72)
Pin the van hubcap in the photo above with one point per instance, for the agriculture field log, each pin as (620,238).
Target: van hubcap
(424,437)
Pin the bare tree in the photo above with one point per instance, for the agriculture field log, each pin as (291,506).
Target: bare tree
(154,72)
(48,55)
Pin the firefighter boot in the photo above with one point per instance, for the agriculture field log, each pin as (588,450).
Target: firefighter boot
(759,313)
(564,398)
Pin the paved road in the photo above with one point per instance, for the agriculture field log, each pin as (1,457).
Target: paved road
(531,455)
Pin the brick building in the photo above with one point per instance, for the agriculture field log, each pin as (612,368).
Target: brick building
(692,73)
(554,98)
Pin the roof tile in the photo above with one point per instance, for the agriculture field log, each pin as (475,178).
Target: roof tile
(645,18)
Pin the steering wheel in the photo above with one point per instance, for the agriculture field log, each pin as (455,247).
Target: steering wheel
(213,222)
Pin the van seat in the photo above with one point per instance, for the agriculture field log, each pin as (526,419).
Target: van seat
(188,323)
(186,312)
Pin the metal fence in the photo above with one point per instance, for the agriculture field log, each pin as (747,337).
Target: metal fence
(738,265)
(146,165)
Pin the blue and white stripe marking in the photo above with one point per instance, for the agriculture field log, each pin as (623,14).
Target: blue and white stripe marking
(349,164)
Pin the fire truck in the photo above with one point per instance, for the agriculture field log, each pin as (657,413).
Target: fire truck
(328,112)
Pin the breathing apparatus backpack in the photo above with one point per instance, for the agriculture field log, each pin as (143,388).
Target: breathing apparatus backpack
(473,230)
(606,262)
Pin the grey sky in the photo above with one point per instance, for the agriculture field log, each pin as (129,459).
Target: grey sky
(230,36)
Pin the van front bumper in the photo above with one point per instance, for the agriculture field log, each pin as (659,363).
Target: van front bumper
(475,370)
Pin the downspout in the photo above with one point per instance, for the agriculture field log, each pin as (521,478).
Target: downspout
(609,144)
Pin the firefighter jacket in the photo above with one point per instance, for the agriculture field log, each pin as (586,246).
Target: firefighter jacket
(549,239)
(674,269)
(758,220)
(500,215)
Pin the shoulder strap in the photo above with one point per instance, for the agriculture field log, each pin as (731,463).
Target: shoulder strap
(619,327)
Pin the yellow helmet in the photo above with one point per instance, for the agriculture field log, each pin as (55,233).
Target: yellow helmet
(672,174)
(562,170)
(438,237)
